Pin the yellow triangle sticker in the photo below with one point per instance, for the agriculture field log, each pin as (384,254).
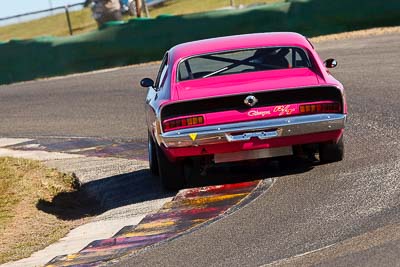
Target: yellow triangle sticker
(193,136)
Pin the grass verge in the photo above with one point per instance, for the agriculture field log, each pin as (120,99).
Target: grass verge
(82,20)
(24,227)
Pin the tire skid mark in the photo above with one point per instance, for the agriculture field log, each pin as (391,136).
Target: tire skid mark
(189,209)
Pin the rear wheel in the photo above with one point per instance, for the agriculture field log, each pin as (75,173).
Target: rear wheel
(331,152)
(153,162)
(171,173)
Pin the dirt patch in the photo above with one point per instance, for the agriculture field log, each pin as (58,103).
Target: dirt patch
(27,223)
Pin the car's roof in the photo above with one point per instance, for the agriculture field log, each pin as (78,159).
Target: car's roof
(237,42)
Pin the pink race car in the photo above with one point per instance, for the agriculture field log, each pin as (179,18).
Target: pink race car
(240,98)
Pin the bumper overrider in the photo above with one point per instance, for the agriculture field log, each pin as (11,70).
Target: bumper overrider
(261,129)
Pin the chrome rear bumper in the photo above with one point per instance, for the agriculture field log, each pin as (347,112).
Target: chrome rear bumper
(262,129)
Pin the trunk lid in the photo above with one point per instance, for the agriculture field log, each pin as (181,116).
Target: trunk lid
(245,83)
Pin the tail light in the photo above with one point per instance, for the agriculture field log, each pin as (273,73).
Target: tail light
(320,108)
(169,125)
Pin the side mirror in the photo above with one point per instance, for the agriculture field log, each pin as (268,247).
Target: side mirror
(147,82)
(330,63)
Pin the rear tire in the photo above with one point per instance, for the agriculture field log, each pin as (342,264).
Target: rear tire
(171,173)
(329,153)
(153,162)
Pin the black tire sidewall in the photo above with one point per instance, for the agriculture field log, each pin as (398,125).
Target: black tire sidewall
(171,173)
(332,152)
(153,161)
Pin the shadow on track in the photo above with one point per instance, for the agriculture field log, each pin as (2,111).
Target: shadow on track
(252,170)
(97,197)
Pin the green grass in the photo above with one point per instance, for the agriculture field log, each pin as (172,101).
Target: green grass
(82,21)
(23,227)
(178,7)
(55,25)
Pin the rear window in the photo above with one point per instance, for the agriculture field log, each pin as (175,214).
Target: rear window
(251,60)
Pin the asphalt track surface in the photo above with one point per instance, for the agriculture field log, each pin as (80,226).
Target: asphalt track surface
(342,214)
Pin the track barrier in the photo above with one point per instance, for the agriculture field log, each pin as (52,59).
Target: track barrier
(143,40)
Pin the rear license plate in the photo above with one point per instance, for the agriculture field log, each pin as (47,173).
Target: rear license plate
(254,154)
